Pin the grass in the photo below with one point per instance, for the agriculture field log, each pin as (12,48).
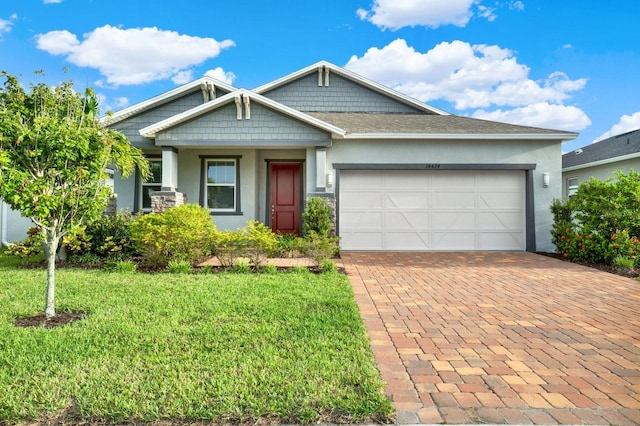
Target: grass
(285,347)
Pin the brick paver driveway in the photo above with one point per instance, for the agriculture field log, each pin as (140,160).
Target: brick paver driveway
(515,338)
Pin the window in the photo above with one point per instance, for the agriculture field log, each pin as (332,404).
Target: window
(221,186)
(572,186)
(153,184)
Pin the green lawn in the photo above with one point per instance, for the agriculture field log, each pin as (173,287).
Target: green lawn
(286,347)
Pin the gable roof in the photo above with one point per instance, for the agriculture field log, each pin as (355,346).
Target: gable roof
(324,66)
(430,126)
(616,148)
(164,98)
(151,131)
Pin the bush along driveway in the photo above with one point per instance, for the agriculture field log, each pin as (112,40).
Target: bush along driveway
(514,338)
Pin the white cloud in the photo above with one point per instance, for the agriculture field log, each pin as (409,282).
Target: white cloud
(542,114)
(626,124)
(5,25)
(516,5)
(395,14)
(468,76)
(472,77)
(222,75)
(133,56)
(121,102)
(183,77)
(51,1)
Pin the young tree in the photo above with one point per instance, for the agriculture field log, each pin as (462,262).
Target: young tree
(54,152)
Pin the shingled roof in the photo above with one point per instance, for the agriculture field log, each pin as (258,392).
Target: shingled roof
(607,149)
(432,126)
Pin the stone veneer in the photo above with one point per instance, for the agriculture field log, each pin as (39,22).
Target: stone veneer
(164,200)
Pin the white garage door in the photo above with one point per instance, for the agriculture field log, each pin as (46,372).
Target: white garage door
(426,210)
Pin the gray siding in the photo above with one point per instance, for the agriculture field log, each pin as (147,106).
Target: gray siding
(342,95)
(223,125)
(131,126)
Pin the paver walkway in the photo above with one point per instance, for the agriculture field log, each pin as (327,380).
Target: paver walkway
(515,338)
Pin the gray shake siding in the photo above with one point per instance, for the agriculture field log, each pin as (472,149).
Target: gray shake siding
(223,125)
(341,95)
(131,126)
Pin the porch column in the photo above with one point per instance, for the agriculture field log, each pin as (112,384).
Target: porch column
(169,168)
(321,169)
(168,196)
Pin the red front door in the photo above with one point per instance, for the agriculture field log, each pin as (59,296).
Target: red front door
(285,198)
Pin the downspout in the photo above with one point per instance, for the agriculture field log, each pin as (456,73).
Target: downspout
(5,225)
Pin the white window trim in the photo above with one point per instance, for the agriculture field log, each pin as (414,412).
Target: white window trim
(235,185)
(148,184)
(572,189)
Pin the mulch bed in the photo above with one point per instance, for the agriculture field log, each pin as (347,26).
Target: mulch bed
(629,273)
(40,320)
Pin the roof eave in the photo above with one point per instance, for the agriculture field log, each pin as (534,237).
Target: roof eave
(162,98)
(601,162)
(151,131)
(473,136)
(352,76)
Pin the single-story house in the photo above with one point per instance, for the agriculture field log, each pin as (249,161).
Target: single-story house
(600,160)
(400,174)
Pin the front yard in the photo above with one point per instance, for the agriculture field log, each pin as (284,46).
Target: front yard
(285,347)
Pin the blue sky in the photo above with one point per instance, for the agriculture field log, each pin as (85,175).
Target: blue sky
(568,65)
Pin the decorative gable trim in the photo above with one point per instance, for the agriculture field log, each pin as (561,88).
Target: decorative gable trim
(324,67)
(240,97)
(206,84)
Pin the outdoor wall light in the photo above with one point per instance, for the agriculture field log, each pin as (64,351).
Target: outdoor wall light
(329,179)
(545,179)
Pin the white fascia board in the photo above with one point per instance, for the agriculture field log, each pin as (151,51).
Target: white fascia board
(477,136)
(602,162)
(151,131)
(163,98)
(351,76)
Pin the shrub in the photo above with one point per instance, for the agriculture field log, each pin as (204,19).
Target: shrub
(229,245)
(601,222)
(30,246)
(179,233)
(261,243)
(179,267)
(241,268)
(321,248)
(125,266)
(269,269)
(289,245)
(108,238)
(317,217)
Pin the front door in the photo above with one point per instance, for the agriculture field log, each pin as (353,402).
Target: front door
(285,198)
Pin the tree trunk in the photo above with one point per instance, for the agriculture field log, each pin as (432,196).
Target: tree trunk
(51,244)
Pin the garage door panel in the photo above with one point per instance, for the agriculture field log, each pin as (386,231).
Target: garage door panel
(499,241)
(406,220)
(432,210)
(453,220)
(405,200)
(499,220)
(362,220)
(364,179)
(415,241)
(362,200)
(495,200)
(363,240)
(458,200)
(405,179)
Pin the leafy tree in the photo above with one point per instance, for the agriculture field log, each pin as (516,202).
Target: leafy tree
(54,152)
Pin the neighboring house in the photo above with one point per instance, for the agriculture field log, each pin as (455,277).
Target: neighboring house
(401,175)
(13,227)
(600,160)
